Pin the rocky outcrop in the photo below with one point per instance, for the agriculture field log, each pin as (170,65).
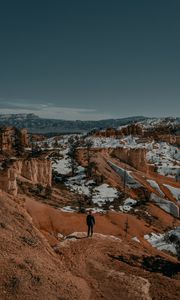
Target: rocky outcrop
(164,133)
(35,171)
(134,129)
(12,138)
(168,138)
(8,181)
(133,157)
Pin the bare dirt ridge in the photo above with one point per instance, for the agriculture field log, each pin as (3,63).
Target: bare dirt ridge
(34,264)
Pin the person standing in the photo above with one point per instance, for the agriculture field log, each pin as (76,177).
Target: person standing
(90,220)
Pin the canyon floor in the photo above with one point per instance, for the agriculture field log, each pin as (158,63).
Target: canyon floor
(130,183)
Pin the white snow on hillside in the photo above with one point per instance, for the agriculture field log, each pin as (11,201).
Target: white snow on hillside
(62,165)
(99,194)
(57,142)
(128,204)
(155,185)
(111,142)
(166,205)
(126,175)
(99,142)
(104,193)
(135,239)
(163,241)
(174,191)
(79,184)
(67,209)
(162,152)
(165,157)
(154,122)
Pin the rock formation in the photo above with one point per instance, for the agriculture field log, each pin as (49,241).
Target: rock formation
(166,133)
(33,170)
(12,138)
(133,157)
(134,129)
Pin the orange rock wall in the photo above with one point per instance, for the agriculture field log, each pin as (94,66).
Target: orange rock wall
(35,171)
(134,157)
(9,136)
(161,133)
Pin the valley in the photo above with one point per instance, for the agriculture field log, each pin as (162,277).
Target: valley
(128,176)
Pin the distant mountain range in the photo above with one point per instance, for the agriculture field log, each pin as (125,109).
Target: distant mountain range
(36,124)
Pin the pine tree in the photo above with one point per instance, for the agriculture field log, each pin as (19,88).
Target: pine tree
(73,144)
(88,146)
(126,227)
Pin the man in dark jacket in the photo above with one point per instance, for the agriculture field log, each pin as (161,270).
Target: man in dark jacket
(90,220)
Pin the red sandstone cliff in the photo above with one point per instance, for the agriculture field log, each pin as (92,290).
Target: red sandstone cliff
(136,158)
(33,170)
(164,133)
(11,138)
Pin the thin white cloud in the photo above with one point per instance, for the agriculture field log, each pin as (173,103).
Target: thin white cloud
(49,110)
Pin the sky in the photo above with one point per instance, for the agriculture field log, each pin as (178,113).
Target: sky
(90,59)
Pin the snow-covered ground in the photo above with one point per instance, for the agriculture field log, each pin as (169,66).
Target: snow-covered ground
(104,193)
(57,142)
(68,209)
(165,157)
(154,122)
(62,165)
(112,142)
(126,175)
(166,205)
(174,191)
(135,239)
(102,142)
(155,185)
(167,241)
(128,204)
(99,195)
(79,183)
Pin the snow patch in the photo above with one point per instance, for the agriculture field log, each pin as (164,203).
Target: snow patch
(68,209)
(166,205)
(155,185)
(174,191)
(129,203)
(135,239)
(167,241)
(104,193)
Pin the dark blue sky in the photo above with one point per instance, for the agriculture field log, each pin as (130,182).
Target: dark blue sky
(90,59)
